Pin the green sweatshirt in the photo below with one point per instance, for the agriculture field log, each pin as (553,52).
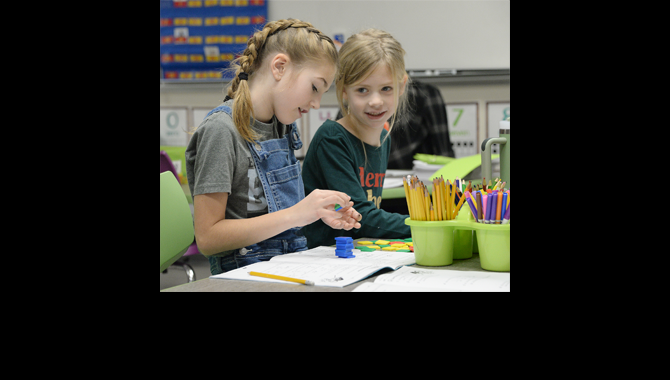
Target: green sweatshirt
(336,161)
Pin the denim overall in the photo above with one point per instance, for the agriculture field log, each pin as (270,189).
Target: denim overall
(279,173)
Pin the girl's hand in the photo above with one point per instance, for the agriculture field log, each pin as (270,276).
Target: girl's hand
(349,219)
(320,204)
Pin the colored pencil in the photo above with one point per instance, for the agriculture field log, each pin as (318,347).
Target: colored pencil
(480,206)
(499,208)
(471,204)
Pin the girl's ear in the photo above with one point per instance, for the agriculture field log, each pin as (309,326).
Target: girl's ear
(279,65)
(402,86)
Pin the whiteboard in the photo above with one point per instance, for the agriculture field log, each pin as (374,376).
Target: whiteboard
(438,34)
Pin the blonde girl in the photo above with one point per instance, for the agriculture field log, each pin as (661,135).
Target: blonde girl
(351,155)
(248,196)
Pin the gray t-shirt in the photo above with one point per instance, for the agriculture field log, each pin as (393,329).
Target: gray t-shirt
(218,160)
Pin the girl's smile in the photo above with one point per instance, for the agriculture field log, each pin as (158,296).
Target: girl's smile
(375,115)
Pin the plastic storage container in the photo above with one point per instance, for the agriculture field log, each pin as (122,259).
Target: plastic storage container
(439,243)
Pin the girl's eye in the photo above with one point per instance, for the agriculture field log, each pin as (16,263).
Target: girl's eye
(387,88)
(362,90)
(314,89)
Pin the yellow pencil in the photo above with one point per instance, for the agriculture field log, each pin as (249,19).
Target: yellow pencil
(419,202)
(443,192)
(415,200)
(433,200)
(426,202)
(458,207)
(412,208)
(438,196)
(406,187)
(306,282)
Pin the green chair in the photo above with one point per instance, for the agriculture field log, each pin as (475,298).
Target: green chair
(176,222)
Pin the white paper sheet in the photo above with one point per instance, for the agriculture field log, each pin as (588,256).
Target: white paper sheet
(413,279)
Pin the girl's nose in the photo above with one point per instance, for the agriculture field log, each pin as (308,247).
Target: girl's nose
(375,101)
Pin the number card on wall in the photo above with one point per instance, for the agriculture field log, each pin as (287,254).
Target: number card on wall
(495,112)
(463,128)
(174,124)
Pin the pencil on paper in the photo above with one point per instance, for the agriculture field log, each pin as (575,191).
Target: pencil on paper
(291,279)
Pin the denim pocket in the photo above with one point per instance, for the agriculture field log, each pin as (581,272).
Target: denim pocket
(286,184)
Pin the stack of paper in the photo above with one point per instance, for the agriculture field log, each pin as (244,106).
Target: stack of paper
(394,177)
(321,266)
(424,170)
(412,279)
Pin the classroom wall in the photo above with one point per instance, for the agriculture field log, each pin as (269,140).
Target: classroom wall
(439,34)
(210,96)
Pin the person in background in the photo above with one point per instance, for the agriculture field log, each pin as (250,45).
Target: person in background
(424,129)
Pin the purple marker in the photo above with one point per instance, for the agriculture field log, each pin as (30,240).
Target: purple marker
(490,209)
(506,218)
(468,199)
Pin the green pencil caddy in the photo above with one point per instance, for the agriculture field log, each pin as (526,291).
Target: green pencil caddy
(463,238)
(494,242)
(433,242)
(439,243)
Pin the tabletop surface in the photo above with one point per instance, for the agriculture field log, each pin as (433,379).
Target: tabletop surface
(221,285)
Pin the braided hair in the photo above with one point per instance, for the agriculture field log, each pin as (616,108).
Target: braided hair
(298,39)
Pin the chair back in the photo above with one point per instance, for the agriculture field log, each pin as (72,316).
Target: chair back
(167,165)
(177,232)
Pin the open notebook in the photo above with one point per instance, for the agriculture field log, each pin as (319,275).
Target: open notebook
(322,266)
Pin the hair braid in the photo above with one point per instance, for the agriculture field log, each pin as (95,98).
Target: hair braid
(249,61)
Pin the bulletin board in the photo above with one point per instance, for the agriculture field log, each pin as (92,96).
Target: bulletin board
(199,38)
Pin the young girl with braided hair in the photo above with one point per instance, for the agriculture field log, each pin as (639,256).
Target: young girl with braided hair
(351,155)
(248,195)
